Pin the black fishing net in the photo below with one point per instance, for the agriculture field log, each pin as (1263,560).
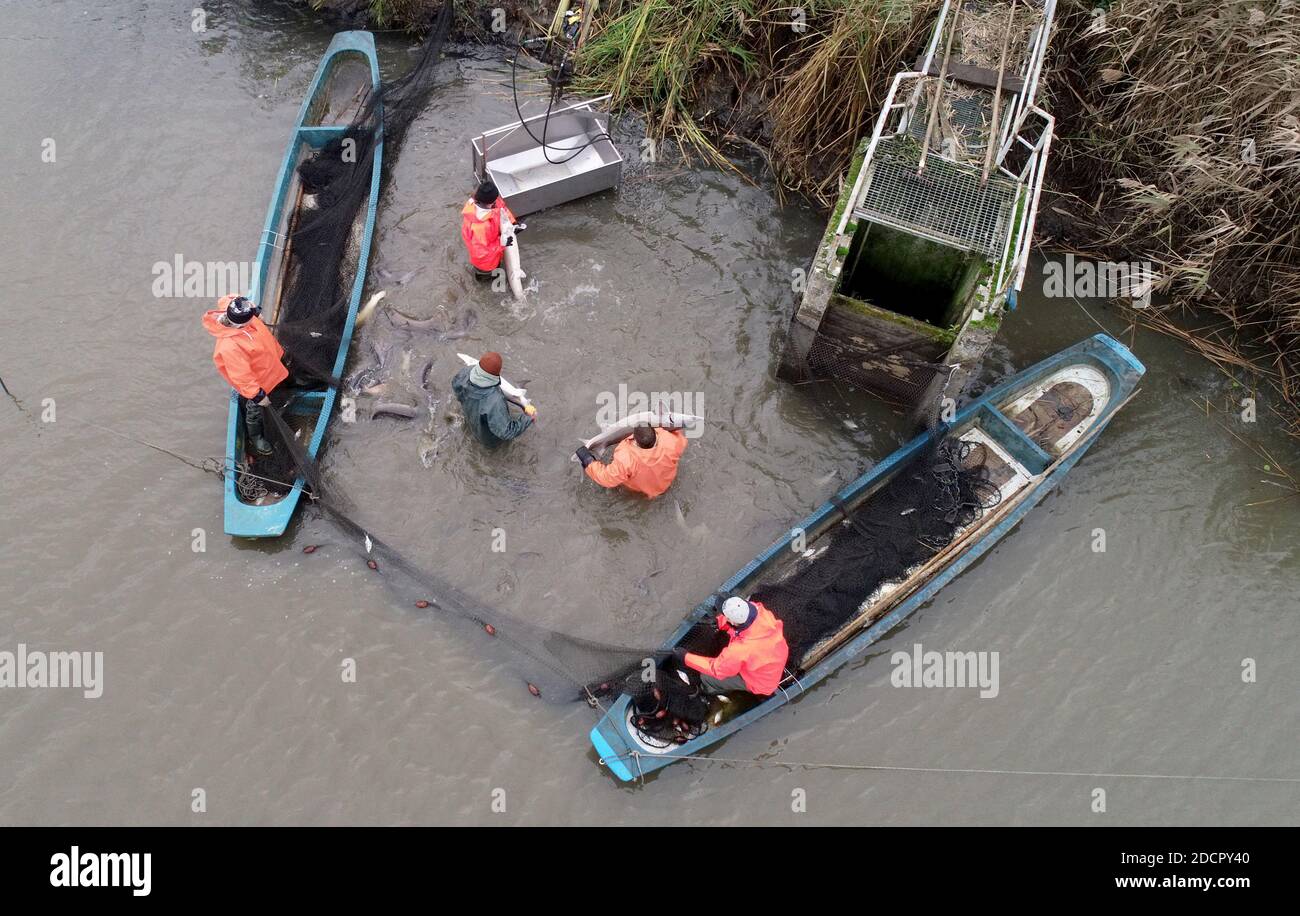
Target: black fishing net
(945,488)
(669,706)
(923,507)
(309,292)
(554,666)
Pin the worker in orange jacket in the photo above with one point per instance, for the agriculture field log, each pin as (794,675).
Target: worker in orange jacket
(248,357)
(753,660)
(480,227)
(645,462)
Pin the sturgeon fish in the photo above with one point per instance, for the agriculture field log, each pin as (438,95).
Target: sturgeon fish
(513,394)
(394,409)
(363,315)
(514,273)
(623,428)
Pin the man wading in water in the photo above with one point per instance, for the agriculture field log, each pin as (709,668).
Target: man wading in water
(480,227)
(644,462)
(487,412)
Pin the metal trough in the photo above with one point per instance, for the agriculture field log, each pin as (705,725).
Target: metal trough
(531,177)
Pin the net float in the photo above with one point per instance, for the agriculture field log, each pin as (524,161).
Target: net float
(532,688)
(372,564)
(310,548)
(489,629)
(421,603)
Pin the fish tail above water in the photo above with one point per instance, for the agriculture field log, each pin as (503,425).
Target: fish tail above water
(369,308)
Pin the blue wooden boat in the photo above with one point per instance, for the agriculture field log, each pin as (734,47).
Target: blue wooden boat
(1033,428)
(347,74)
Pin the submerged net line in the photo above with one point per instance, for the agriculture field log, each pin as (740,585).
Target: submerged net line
(556,666)
(919,511)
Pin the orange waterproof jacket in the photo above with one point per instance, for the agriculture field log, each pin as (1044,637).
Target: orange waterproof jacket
(757,653)
(483,236)
(649,471)
(248,356)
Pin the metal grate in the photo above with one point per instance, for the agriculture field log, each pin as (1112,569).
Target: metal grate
(969,114)
(947,204)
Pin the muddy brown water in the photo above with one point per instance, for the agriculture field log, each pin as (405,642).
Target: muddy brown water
(223,668)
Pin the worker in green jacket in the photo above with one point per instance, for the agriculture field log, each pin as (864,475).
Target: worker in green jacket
(487,412)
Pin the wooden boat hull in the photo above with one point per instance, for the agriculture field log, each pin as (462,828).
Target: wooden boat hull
(1101,367)
(245,519)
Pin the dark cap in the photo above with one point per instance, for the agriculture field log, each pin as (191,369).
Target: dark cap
(487,194)
(241,310)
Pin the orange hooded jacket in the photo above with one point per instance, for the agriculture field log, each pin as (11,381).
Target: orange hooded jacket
(648,471)
(483,236)
(248,356)
(757,653)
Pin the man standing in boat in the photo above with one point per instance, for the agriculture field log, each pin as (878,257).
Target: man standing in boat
(480,227)
(487,412)
(248,357)
(645,462)
(754,659)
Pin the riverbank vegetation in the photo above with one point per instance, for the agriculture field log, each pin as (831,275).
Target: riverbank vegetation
(1178,130)
(801,82)
(1179,125)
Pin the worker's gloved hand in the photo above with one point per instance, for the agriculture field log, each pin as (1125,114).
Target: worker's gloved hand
(679,656)
(585,456)
(520,227)
(262,399)
(530,410)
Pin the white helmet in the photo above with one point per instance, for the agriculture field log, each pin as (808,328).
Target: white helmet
(736,610)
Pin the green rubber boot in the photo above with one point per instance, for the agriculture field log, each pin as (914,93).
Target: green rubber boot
(257,441)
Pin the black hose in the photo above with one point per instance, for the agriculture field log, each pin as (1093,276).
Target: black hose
(555,94)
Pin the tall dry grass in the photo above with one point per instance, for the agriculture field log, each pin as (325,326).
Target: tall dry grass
(800,81)
(1179,138)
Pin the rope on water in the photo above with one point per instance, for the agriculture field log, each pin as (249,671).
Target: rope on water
(808,765)
(212,464)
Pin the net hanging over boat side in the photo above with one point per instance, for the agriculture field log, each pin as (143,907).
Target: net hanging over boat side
(313,297)
(945,488)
